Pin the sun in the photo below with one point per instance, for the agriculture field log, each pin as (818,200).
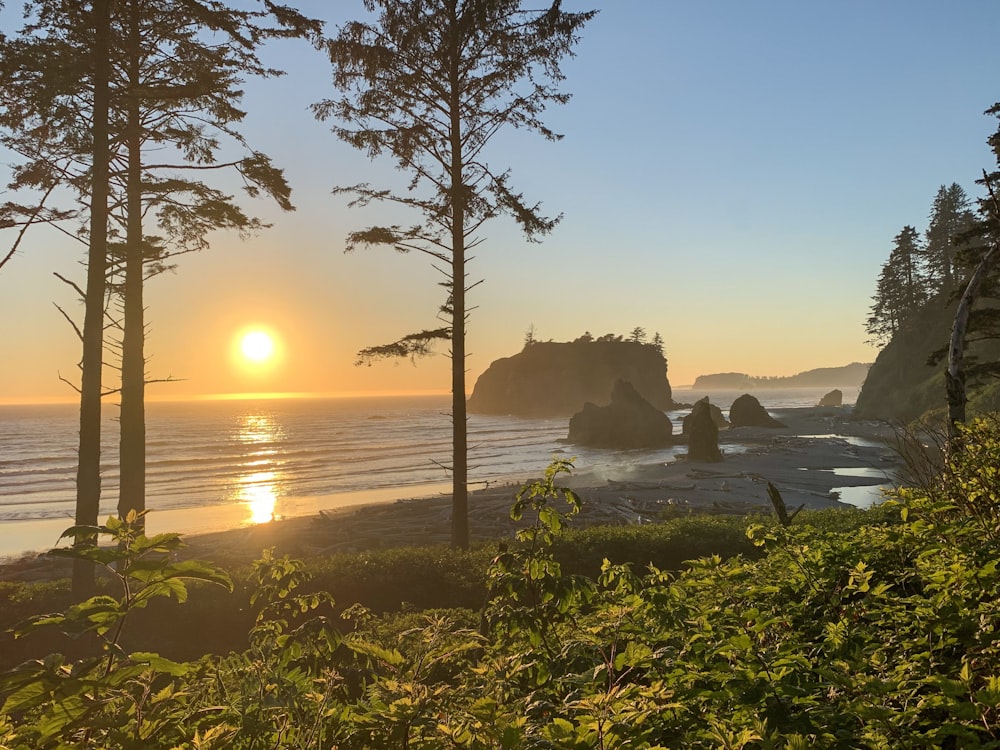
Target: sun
(257,346)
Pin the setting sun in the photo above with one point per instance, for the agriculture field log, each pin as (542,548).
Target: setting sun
(257,346)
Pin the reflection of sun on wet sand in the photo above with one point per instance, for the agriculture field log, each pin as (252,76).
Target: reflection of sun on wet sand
(799,459)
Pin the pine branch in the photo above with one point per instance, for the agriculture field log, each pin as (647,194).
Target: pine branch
(410,346)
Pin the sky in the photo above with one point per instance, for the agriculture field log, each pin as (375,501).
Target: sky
(732,176)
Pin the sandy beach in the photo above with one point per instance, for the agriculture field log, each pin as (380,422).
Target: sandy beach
(820,459)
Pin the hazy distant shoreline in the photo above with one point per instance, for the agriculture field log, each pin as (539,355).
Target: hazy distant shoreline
(847,376)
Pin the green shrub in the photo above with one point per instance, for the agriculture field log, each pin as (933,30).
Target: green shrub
(667,545)
(420,577)
(873,629)
(114,697)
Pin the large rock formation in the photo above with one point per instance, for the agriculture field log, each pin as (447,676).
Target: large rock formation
(833,398)
(746,411)
(703,433)
(714,411)
(629,421)
(556,379)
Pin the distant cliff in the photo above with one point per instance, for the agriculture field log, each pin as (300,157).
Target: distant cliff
(556,379)
(822,377)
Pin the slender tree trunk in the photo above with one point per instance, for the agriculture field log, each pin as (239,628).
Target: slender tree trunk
(88,473)
(955,374)
(460,453)
(132,448)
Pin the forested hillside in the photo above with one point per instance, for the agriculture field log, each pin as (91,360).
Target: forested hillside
(913,310)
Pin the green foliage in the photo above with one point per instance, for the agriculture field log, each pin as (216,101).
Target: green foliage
(385,580)
(114,698)
(872,629)
(529,594)
(667,545)
(901,289)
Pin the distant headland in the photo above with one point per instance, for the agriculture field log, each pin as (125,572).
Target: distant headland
(852,375)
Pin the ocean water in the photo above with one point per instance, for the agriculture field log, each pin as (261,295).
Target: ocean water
(266,454)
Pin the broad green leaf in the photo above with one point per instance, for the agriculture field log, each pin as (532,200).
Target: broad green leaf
(161,664)
(392,657)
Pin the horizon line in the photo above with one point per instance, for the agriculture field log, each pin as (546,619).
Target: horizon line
(247,396)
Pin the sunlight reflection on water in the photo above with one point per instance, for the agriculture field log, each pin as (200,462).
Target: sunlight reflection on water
(258,428)
(259,481)
(259,495)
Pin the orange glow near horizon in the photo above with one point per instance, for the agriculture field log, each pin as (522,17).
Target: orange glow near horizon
(265,395)
(278,395)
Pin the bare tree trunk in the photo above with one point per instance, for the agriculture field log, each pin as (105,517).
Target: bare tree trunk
(88,473)
(955,374)
(459,417)
(132,448)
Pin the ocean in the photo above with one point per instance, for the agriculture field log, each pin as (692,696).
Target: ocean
(253,460)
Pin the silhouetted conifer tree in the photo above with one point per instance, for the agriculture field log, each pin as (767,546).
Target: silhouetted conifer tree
(179,71)
(951,218)
(900,289)
(429,83)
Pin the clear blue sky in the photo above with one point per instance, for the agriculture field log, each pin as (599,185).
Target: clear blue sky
(732,176)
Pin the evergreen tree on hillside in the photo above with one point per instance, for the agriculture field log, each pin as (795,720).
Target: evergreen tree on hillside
(951,219)
(901,288)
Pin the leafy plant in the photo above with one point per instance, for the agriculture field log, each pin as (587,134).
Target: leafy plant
(866,630)
(113,698)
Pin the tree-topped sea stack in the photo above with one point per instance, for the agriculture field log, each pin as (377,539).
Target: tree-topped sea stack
(548,379)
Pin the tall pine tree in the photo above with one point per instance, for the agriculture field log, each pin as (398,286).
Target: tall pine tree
(900,289)
(950,220)
(160,85)
(430,83)
(178,76)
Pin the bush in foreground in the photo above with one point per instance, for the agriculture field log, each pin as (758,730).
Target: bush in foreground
(880,636)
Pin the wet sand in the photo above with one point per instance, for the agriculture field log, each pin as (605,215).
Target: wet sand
(802,460)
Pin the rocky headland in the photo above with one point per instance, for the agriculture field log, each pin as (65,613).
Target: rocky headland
(549,379)
(907,382)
